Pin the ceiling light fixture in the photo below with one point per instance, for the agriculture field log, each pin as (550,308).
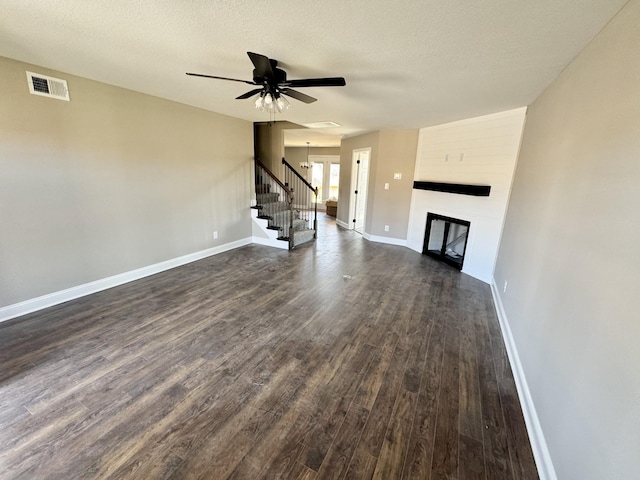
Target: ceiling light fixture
(271,102)
(307,164)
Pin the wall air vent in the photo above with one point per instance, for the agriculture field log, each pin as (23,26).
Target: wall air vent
(47,86)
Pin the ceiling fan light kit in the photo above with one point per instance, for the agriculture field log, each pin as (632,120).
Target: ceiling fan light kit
(274,85)
(269,102)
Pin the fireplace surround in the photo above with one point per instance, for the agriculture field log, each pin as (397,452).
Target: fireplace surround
(445,239)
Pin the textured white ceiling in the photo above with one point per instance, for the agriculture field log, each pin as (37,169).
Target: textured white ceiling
(408,64)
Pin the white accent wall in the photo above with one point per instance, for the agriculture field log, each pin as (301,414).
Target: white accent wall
(481,150)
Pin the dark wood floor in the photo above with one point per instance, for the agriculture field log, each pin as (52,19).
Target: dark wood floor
(345,359)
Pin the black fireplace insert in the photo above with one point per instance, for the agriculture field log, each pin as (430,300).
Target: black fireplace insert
(445,238)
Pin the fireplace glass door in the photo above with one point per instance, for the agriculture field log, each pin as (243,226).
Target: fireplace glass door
(445,238)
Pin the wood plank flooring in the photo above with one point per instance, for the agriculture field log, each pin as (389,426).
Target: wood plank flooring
(345,359)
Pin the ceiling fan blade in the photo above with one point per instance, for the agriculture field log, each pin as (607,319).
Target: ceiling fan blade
(316,82)
(273,81)
(263,65)
(250,93)
(297,95)
(221,78)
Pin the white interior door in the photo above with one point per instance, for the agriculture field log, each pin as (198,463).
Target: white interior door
(359,183)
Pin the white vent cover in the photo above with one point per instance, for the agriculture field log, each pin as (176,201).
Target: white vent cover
(321,124)
(47,86)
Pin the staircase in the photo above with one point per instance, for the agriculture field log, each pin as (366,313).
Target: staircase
(284,207)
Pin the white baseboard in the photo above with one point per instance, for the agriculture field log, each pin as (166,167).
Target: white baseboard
(342,224)
(388,240)
(375,238)
(55,298)
(546,471)
(415,247)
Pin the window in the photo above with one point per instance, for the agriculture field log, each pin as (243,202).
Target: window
(317,178)
(325,174)
(334,181)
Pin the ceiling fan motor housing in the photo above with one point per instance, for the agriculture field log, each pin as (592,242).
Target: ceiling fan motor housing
(279,76)
(273,82)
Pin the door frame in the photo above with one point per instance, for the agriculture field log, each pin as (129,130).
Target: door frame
(355,198)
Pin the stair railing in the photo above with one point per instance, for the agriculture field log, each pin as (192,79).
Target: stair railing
(304,198)
(277,201)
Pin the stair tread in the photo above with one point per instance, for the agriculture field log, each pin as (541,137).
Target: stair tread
(303,236)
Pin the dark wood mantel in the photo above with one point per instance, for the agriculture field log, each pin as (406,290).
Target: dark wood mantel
(459,188)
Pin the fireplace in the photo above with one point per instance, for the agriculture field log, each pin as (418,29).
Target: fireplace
(445,238)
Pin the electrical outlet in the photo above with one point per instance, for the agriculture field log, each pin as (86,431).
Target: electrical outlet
(215,235)
(504,289)
(386,228)
(386,186)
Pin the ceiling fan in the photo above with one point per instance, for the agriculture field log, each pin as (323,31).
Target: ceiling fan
(274,86)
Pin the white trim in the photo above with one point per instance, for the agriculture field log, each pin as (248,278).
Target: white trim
(355,184)
(389,240)
(546,471)
(476,275)
(270,237)
(268,242)
(414,246)
(342,224)
(55,298)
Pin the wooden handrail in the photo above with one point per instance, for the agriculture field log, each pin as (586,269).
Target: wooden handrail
(315,190)
(273,177)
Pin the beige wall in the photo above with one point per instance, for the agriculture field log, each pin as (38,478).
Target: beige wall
(392,151)
(396,154)
(348,145)
(570,256)
(111,181)
(297,155)
(269,144)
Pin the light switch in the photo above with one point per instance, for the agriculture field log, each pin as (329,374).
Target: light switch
(397,176)
(386,186)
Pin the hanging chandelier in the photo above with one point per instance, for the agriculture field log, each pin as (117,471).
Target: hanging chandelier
(306,164)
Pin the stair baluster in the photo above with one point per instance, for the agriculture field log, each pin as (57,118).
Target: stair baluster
(304,205)
(273,200)
(287,206)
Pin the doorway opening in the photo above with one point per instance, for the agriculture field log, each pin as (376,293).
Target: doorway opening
(359,184)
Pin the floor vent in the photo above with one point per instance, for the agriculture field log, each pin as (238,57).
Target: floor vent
(47,86)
